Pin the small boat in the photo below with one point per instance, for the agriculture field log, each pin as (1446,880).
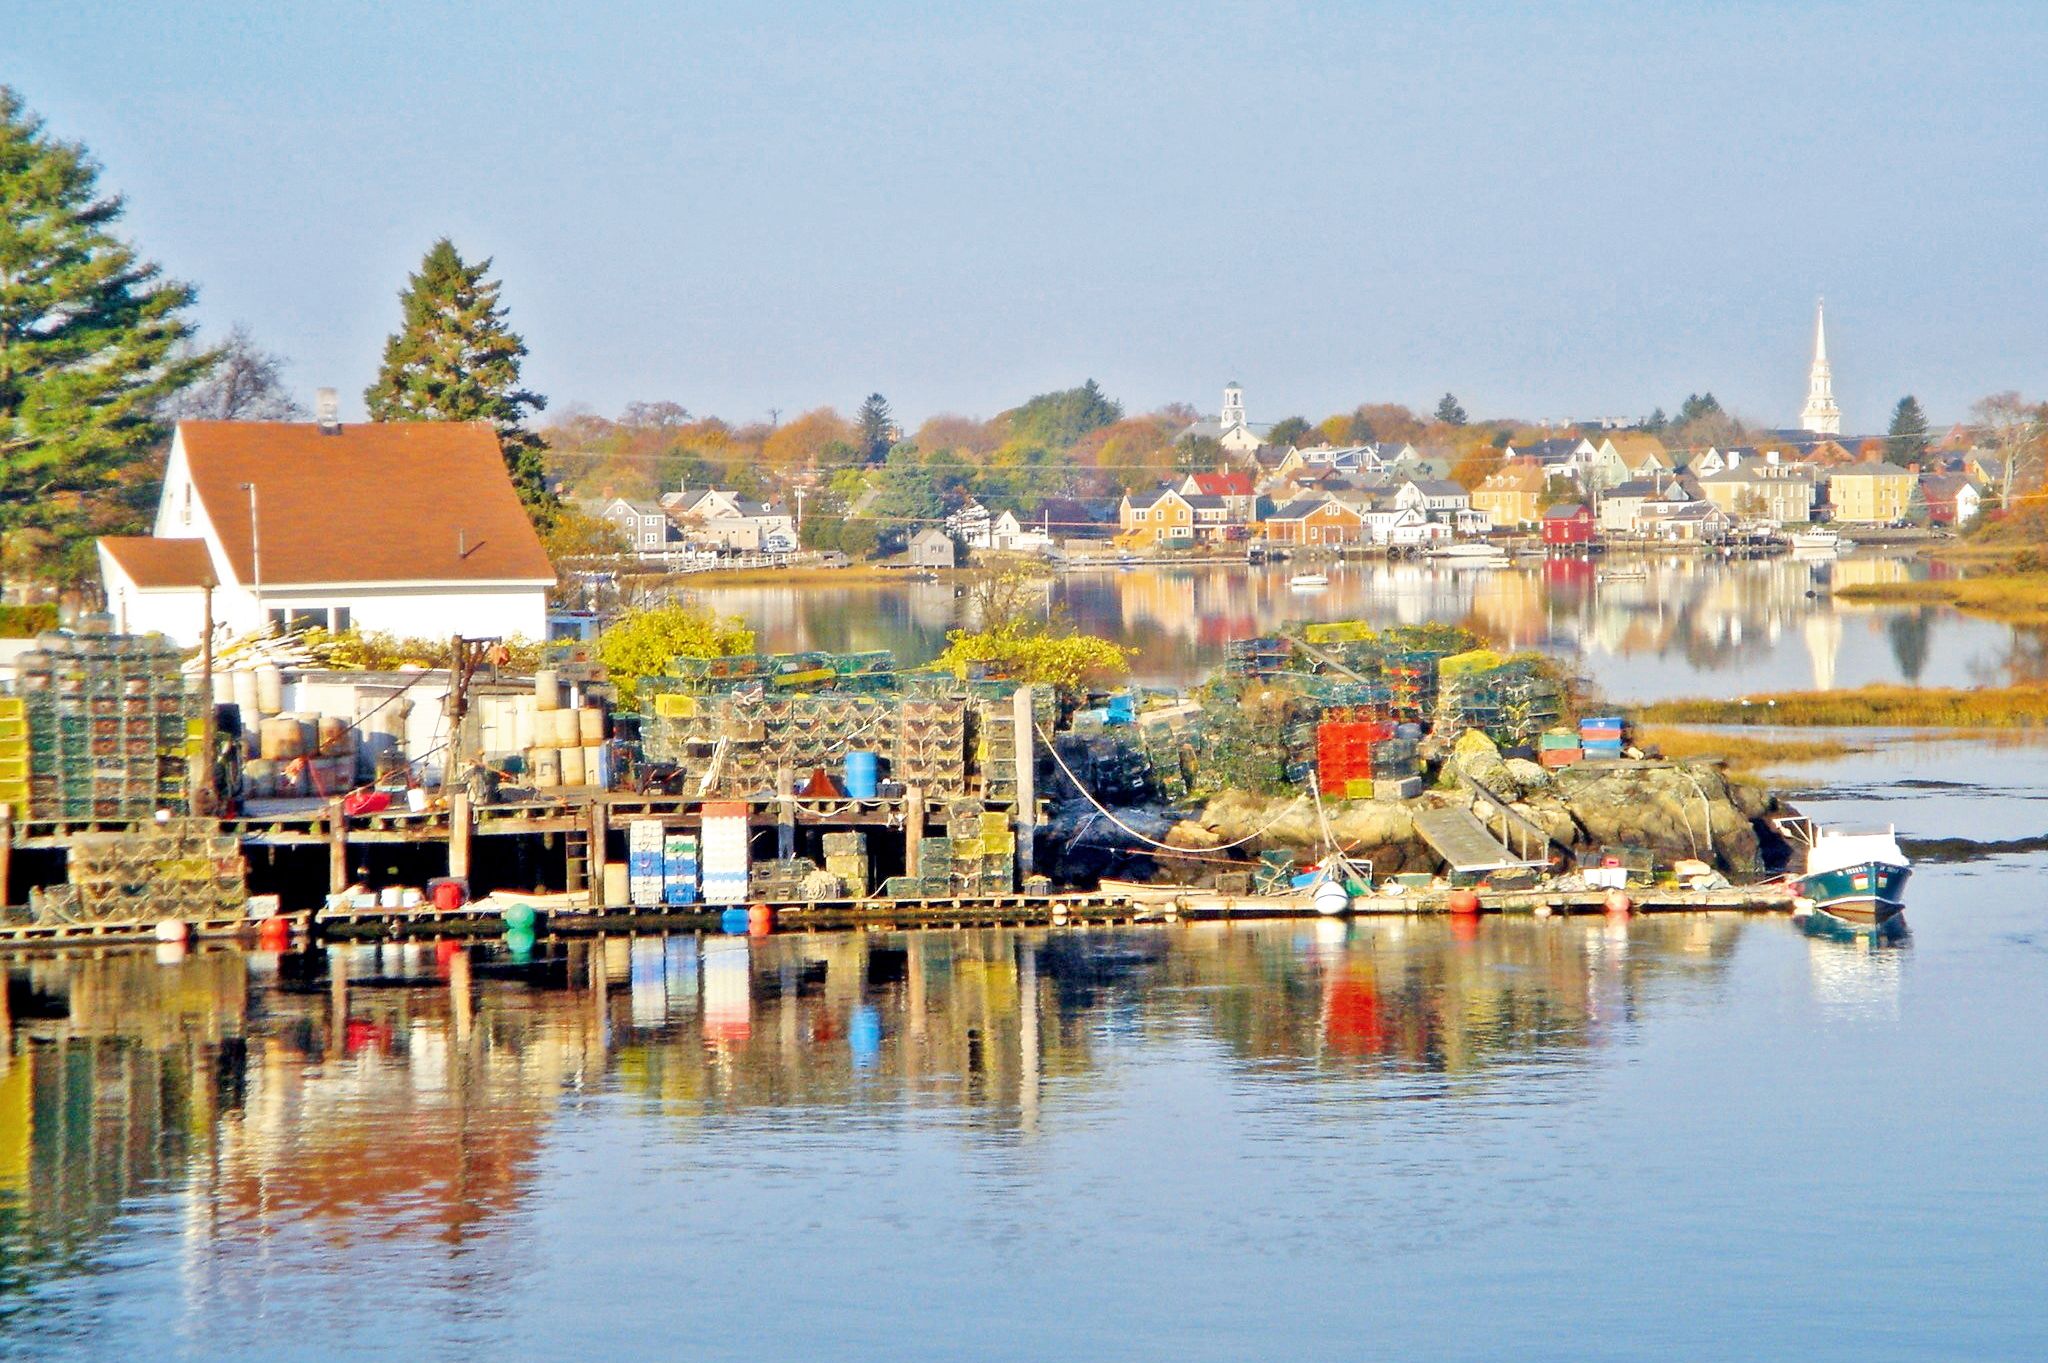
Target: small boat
(1467,551)
(1632,573)
(1306,581)
(1856,879)
(1821,537)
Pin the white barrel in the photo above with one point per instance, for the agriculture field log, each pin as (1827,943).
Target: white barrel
(244,685)
(568,729)
(545,767)
(269,689)
(336,738)
(596,767)
(223,688)
(547,689)
(590,722)
(571,760)
(617,889)
(280,739)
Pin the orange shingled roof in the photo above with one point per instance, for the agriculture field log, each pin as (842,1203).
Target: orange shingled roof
(400,501)
(152,563)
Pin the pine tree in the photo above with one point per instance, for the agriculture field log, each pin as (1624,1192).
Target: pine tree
(876,428)
(1449,412)
(1906,440)
(455,359)
(91,344)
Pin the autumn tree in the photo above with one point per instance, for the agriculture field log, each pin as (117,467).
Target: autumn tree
(93,341)
(804,442)
(1449,412)
(454,358)
(1906,438)
(2015,432)
(246,384)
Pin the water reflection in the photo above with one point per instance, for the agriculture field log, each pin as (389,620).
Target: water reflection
(306,1113)
(1767,623)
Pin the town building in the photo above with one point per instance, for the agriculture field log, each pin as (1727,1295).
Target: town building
(645,526)
(725,520)
(1011,535)
(1314,520)
(970,524)
(1871,494)
(1951,499)
(1439,499)
(409,528)
(1760,490)
(1568,525)
(1512,495)
(1160,516)
(932,547)
(1235,486)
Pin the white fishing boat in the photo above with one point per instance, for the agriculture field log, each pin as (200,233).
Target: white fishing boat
(1821,537)
(1856,879)
(1469,553)
(1308,581)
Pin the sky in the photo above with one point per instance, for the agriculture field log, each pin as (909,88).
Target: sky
(1563,210)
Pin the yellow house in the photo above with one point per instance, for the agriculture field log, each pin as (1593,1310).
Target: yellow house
(1512,495)
(1161,516)
(1871,494)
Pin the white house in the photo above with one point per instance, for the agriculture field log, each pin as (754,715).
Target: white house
(409,528)
(1010,534)
(1437,498)
(971,524)
(1230,429)
(715,516)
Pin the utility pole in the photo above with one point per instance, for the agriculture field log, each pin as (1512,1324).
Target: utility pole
(256,555)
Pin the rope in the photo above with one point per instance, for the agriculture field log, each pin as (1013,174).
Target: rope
(1104,811)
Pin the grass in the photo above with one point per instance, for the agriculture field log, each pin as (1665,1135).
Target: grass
(1901,707)
(1744,752)
(2015,597)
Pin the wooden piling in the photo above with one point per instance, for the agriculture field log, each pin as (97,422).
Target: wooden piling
(913,828)
(600,857)
(1027,781)
(459,830)
(459,993)
(337,848)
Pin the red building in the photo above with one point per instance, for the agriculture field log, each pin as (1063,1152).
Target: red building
(1570,524)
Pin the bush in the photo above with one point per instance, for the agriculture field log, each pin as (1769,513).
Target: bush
(25,622)
(642,644)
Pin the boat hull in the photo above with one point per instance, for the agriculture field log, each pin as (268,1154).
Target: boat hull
(1863,894)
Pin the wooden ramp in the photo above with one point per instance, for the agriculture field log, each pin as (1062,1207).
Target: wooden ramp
(1464,843)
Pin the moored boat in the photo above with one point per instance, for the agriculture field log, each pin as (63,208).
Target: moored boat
(1309,580)
(1469,554)
(1821,537)
(1858,879)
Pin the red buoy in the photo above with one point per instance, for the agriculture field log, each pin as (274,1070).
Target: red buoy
(274,933)
(760,920)
(1463,902)
(1618,903)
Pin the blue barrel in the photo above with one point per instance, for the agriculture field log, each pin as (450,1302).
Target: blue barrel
(733,922)
(863,773)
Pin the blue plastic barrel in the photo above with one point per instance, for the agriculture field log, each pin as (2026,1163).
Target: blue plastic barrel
(863,773)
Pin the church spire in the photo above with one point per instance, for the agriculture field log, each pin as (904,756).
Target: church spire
(1820,414)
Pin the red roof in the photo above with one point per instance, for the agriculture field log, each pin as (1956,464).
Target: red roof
(1224,484)
(154,563)
(400,501)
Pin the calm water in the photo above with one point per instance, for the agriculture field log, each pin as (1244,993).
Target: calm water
(1691,1137)
(1690,627)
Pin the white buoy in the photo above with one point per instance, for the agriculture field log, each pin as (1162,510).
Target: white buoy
(171,930)
(1332,899)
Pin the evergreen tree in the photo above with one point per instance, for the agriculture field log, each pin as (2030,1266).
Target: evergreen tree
(1056,420)
(1656,421)
(1449,412)
(1289,431)
(877,428)
(92,342)
(455,359)
(1906,440)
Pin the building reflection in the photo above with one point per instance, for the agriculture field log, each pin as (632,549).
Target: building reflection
(357,1097)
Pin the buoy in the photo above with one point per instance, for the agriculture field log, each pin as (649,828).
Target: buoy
(274,934)
(733,922)
(519,942)
(171,930)
(1462,902)
(1541,911)
(760,920)
(1618,903)
(1331,899)
(518,917)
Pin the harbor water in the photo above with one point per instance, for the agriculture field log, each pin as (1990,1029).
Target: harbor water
(1701,1136)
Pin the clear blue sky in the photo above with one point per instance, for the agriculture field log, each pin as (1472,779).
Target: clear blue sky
(1553,209)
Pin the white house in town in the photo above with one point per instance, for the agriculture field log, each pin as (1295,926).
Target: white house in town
(717,518)
(409,528)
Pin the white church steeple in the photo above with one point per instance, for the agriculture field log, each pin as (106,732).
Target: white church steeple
(1820,414)
(1233,407)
